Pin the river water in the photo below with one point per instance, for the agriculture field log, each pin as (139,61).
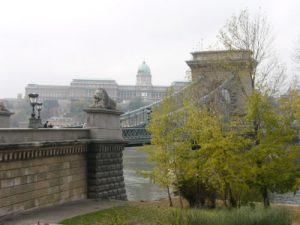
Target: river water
(137,186)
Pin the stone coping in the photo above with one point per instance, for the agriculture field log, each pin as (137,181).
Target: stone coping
(43,129)
(17,136)
(224,62)
(235,51)
(103,111)
(35,150)
(6,113)
(38,144)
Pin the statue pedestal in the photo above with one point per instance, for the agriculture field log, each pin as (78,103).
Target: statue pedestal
(104,123)
(5,119)
(105,155)
(35,123)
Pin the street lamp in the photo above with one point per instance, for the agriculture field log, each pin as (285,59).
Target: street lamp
(39,106)
(33,100)
(33,121)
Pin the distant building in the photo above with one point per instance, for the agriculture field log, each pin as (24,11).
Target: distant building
(84,88)
(61,122)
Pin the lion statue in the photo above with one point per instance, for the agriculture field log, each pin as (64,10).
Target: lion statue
(102,100)
(2,107)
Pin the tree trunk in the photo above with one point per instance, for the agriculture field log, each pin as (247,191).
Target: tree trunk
(225,197)
(169,195)
(266,197)
(180,200)
(232,201)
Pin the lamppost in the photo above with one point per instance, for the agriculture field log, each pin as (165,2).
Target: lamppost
(33,100)
(33,121)
(39,106)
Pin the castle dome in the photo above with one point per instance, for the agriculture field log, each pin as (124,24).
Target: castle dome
(144,69)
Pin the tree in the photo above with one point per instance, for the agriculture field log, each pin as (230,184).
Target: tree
(296,55)
(222,164)
(50,108)
(232,159)
(170,152)
(245,32)
(218,166)
(22,111)
(274,153)
(77,109)
(135,104)
(295,82)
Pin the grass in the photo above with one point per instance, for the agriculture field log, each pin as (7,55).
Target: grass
(295,212)
(134,214)
(243,216)
(122,215)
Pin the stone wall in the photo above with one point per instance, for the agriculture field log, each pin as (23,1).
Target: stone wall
(38,176)
(41,167)
(105,171)
(28,135)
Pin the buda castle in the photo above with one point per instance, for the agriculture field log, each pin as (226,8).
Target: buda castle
(85,89)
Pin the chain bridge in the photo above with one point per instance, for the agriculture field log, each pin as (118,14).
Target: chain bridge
(221,77)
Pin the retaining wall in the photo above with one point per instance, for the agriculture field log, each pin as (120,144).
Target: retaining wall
(41,167)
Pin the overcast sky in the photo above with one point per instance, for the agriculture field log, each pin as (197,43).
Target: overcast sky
(53,42)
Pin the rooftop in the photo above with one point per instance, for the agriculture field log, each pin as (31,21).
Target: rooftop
(144,70)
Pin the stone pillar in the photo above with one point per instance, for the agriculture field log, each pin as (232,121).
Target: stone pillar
(210,69)
(35,123)
(105,157)
(5,119)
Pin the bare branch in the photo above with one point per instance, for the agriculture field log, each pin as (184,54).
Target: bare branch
(251,33)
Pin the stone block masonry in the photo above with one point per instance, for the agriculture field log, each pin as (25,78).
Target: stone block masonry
(105,171)
(42,176)
(42,167)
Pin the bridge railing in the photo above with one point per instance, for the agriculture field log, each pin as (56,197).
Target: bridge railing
(133,123)
(136,136)
(141,116)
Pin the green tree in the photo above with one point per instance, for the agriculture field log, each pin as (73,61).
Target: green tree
(221,159)
(274,152)
(77,109)
(49,108)
(135,104)
(219,164)
(170,152)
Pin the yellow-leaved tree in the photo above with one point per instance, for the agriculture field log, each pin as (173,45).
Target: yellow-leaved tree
(275,150)
(168,149)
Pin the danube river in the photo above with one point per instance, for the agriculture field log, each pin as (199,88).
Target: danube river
(137,186)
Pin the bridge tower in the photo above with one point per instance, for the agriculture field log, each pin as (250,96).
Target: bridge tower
(229,70)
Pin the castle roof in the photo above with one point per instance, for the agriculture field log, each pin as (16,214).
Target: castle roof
(144,69)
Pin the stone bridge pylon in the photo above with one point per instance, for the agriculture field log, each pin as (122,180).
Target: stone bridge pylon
(223,76)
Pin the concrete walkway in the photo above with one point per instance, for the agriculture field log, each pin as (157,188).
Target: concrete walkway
(54,214)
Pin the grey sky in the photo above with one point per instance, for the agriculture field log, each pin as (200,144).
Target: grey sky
(53,42)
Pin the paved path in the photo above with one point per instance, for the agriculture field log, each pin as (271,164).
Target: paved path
(55,214)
